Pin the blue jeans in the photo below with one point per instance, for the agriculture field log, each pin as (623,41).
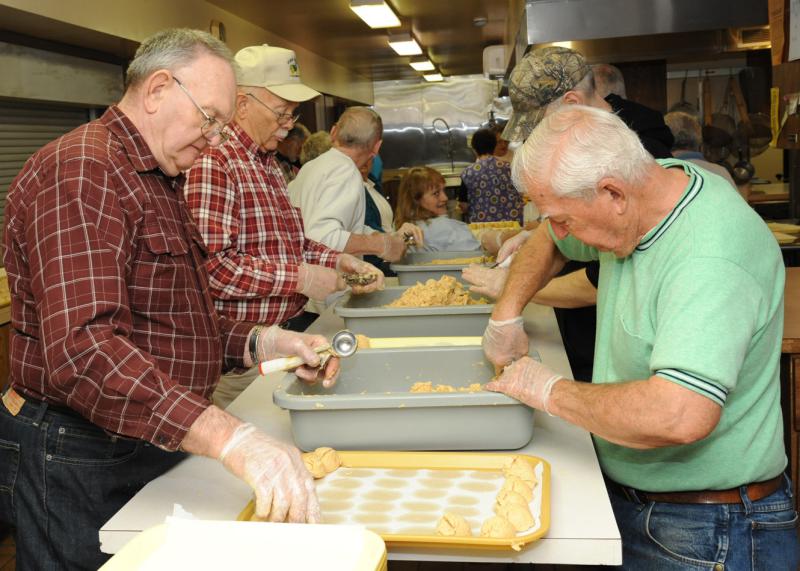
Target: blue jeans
(757,536)
(62,478)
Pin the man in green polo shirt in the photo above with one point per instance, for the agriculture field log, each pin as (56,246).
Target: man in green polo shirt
(685,401)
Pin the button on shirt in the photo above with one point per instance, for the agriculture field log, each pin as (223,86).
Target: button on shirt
(255,237)
(111,310)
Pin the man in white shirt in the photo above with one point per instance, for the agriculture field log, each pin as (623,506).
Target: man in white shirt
(329,191)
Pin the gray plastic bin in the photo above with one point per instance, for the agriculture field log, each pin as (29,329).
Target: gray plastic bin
(413,267)
(371,406)
(367,315)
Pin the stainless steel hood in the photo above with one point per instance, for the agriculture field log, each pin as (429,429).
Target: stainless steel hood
(569,20)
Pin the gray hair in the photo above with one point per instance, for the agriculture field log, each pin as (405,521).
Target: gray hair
(314,146)
(585,87)
(686,129)
(173,49)
(359,127)
(571,150)
(608,79)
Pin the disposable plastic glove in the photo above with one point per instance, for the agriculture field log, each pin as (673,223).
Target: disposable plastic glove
(512,245)
(528,381)
(318,282)
(505,341)
(275,342)
(347,264)
(394,247)
(485,281)
(283,487)
(415,232)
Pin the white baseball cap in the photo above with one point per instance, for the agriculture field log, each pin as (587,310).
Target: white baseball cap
(275,69)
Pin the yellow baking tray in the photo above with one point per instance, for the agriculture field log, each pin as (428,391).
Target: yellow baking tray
(381,489)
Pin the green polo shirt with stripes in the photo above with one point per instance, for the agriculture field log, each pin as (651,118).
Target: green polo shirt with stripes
(699,303)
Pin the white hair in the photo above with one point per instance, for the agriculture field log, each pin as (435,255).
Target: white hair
(359,127)
(173,49)
(571,150)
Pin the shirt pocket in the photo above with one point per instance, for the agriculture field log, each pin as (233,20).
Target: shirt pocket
(163,237)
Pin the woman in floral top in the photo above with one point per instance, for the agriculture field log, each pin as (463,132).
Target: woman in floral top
(490,193)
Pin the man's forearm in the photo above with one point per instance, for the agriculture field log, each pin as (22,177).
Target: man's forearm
(536,262)
(365,244)
(569,291)
(209,433)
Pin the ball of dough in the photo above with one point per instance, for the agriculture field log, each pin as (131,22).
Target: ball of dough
(314,465)
(329,458)
(453,525)
(505,497)
(514,484)
(520,468)
(518,515)
(497,527)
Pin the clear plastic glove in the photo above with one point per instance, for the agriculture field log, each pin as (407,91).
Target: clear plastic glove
(485,281)
(394,247)
(347,264)
(492,241)
(275,342)
(528,381)
(512,245)
(414,231)
(505,341)
(318,282)
(283,487)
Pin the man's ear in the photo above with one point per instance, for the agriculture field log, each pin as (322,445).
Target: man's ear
(154,89)
(376,147)
(574,98)
(240,110)
(334,131)
(611,189)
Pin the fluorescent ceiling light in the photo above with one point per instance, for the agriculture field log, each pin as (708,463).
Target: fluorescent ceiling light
(422,64)
(433,77)
(404,45)
(376,13)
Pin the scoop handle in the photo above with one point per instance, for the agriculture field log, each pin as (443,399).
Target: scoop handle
(282,364)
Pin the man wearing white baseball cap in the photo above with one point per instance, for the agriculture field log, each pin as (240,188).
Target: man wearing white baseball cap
(262,267)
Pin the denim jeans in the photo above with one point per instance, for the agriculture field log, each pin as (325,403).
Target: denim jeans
(757,536)
(62,478)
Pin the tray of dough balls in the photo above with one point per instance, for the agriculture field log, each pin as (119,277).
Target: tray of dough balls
(422,266)
(420,398)
(473,499)
(436,307)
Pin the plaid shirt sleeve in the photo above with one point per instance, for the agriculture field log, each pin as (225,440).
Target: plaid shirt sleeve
(212,197)
(319,254)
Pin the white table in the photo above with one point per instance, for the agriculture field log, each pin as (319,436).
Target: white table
(582,526)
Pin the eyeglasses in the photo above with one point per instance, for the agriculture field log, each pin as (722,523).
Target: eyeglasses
(281,117)
(211,129)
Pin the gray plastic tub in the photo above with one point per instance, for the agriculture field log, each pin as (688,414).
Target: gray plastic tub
(414,266)
(371,406)
(367,315)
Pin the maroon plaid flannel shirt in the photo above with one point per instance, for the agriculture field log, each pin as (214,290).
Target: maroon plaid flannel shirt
(255,237)
(111,310)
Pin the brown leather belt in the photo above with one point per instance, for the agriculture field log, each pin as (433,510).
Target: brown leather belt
(755,492)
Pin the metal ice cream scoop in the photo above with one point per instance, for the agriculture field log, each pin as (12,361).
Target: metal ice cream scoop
(343,344)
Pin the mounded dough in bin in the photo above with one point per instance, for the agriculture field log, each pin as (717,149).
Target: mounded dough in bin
(453,525)
(314,465)
(498,527)
(505,497)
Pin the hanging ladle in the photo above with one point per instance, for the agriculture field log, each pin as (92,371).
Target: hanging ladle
(343,344)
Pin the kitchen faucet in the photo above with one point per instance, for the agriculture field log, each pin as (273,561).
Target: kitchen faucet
(450,150)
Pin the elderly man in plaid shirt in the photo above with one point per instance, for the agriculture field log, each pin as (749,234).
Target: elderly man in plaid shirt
(115,344)
(262,266)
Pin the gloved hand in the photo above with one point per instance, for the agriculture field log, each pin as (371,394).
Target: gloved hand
(528,381)
(491,240)
(485,281)
(505,341)
(512,245)
(283,487)
(347,264)
(394,247)
(415,231)
(275,342)
(318,282)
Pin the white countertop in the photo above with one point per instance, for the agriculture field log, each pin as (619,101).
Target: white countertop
(582,526)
